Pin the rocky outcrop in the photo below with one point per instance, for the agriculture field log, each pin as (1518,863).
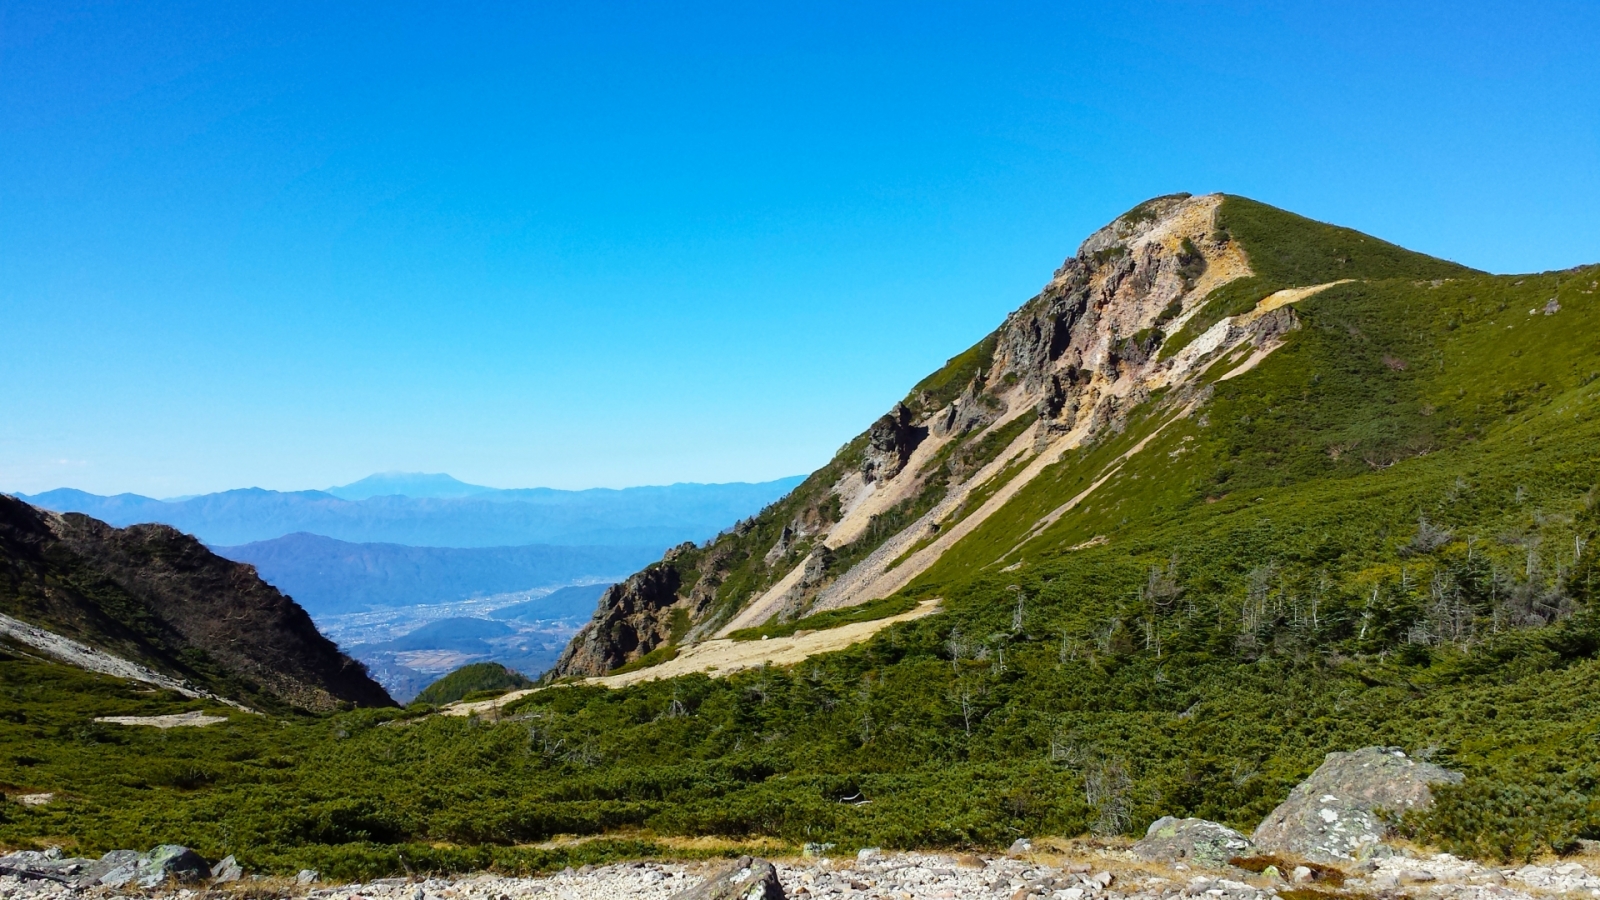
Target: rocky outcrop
(1336,815)
(161,866)
(890,442)
(1198,841)
(156,596)
(633,618)
(746,879)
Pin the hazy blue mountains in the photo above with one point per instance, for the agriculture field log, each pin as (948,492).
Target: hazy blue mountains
(331,577)
(417,574)
(630,517)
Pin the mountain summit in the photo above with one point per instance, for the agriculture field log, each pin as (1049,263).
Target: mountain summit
(407,484)
(984,461)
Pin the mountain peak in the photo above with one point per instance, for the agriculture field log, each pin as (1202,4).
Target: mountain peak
(422,485)
(1132,334)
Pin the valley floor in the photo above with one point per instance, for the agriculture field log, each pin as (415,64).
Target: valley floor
(1076,875)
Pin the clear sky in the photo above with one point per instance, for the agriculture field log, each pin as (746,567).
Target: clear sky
(586,244)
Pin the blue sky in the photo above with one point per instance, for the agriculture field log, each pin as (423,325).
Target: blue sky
(588,244)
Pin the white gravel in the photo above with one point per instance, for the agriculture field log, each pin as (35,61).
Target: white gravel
(923,876)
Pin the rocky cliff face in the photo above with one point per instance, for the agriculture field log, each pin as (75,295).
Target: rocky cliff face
(1119,323)
(158,597)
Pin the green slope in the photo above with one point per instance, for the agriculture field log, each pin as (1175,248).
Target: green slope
(1287,250)
(485,677)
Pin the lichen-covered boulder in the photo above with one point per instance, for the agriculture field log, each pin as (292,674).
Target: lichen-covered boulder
(746,879)
(1334,816)
(168,862)
(1197,841)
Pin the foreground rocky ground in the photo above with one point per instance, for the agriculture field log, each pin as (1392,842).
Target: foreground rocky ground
(1327,841)
(1105,874)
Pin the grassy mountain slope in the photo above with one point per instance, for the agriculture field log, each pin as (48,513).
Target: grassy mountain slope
(491,677)
(1382,531)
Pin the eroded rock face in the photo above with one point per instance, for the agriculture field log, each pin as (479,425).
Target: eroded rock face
(746,879)
(633,618)
(1333,816)
(890,442)
(1196,841)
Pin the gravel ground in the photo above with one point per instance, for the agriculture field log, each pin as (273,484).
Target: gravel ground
(1106,875)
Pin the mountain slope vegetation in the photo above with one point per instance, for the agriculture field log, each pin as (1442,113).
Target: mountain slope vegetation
(471,679)
(1235,490)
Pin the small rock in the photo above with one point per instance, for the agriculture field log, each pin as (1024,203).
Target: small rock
(308,876)
(1019,847)
(227,870)
(1301,874)
(868,853)
(1103,879)
(1417,876)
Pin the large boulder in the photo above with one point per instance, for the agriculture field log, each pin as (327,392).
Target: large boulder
(168,862)
(746,879)
(1196,841)
(1334,816)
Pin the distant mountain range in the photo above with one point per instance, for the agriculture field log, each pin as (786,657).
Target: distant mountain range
(330,577)
(393,551)
(454,514)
